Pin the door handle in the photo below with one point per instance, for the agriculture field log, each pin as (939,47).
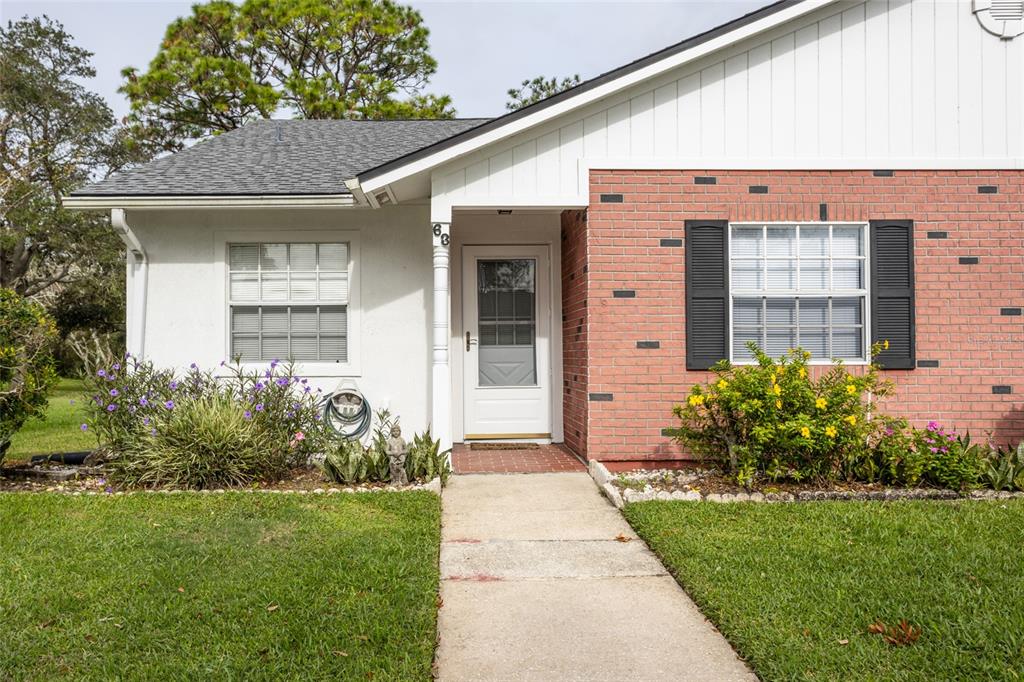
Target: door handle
(469,341)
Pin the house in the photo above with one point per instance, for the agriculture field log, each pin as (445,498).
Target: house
(816,173)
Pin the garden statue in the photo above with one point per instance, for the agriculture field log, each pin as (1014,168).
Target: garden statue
(397,451)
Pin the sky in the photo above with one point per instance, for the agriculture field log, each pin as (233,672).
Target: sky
(482,47)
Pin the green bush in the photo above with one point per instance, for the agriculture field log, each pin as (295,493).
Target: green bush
(133,404)
(27,373)
(908,457)
(203,442)
(426,461)
(774,419)
(347,463)
(1004,468)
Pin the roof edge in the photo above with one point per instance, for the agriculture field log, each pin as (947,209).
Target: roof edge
(105,202)
(582,88)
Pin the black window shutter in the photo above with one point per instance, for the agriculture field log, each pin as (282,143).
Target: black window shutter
(892,292)
(707,292)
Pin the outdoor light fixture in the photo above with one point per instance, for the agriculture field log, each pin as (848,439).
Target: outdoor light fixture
(504,211)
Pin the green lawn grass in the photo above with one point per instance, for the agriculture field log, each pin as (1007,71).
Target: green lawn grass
(794,587)
(229,586)
(60,431)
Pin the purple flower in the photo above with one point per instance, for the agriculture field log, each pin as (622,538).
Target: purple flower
(933,426)
(111,407)
(307,389)
(84,427)
(222,363)
(193,366)
(143,401)
(259,407)
(117,365)
(267,374)
(248,414)
(114,392)
(259,386)
(282,382)
(145,422)
(111,376)
(173,385)
(101,373)
(274,363)
(71,402)
(169,404)
(302,381)
(152,432)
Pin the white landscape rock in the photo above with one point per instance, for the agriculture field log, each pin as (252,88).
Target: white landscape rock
(434,486)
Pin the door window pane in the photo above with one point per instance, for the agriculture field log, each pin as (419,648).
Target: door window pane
(506,310)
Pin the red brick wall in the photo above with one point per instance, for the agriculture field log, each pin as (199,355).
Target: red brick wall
(574,329)
(959,320)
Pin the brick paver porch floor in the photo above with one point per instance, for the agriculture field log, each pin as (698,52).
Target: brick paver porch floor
(544,459)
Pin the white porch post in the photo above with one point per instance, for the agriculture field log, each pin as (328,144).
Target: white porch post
(441,410)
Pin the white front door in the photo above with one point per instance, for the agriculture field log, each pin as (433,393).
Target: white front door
(506,313)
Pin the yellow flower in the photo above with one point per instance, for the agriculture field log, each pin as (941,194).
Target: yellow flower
(781,369)
(885,344)
(777,389)
(821,403)
(696,400)
(722,383)
(778,404)
(851,389)
(830,431)
(852,419)
(774,377)
(803,373)
(805,432)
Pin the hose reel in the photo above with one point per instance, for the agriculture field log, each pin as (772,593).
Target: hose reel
(347,412)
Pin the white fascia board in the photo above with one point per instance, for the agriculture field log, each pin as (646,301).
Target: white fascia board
(604,90)
(92,203)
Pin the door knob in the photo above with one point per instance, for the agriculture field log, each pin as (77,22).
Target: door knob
(469,341)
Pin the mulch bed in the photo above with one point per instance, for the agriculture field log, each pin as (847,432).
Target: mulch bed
(93,480)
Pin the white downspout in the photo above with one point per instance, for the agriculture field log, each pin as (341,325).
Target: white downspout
(138,276)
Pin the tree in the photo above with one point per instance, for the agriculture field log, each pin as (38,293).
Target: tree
(26,364)
(54,136)
(532,91)
(227,64)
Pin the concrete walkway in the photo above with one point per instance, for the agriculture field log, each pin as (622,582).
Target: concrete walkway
(535,586)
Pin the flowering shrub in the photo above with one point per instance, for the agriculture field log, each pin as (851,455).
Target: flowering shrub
(936,456)
(133,406)
(774,419)
(27,371)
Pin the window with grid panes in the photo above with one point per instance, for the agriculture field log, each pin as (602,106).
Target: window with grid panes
(799,285)
(289,301)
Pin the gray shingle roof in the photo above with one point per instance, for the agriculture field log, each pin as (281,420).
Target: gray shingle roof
(286,157)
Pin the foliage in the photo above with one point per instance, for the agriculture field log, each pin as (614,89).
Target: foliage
(1004,468)
(27,370)
(224,587)
(534,90)
(795,587)
(426,461)
(774,419)
(227,64)
(56,136)
(347,462)
(904,456)
(205,442)
(350,462)
(137,410)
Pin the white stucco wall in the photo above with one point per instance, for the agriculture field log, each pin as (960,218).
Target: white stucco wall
(186,312)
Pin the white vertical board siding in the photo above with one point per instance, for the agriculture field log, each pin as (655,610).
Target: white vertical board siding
(871,84)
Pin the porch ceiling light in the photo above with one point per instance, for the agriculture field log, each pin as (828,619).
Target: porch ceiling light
(504,211)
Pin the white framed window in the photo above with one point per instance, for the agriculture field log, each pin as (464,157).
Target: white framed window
(799,285)
(289,301)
